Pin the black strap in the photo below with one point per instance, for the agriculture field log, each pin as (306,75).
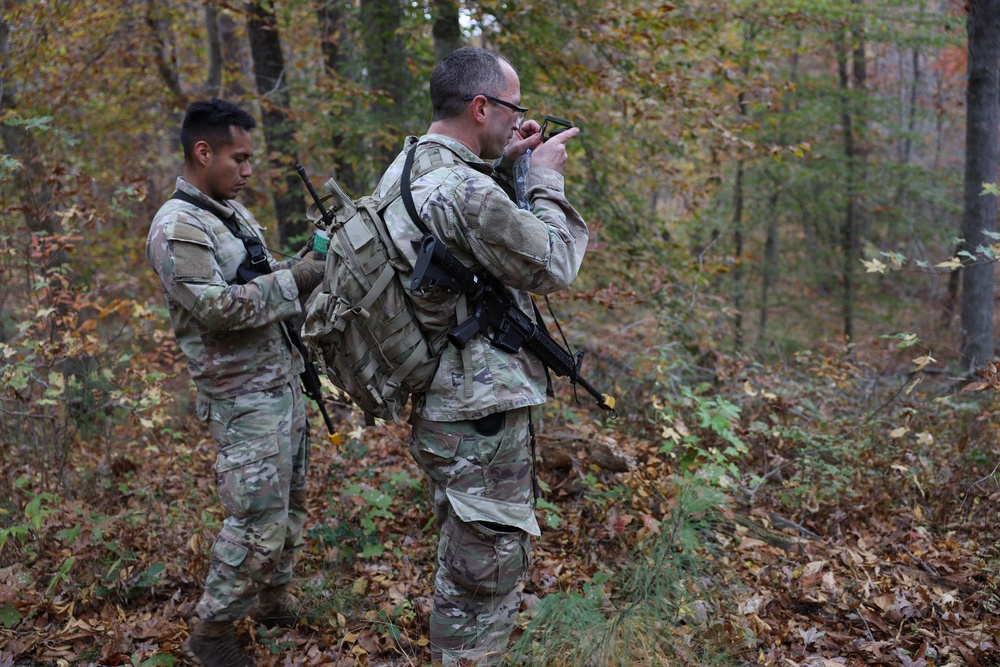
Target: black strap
(535,491)
(256,261)
(229,222)
(406,193)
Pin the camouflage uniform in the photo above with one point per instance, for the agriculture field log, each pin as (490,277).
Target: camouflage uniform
(470,427)
(246,372)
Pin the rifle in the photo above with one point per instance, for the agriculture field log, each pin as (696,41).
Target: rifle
(495,315)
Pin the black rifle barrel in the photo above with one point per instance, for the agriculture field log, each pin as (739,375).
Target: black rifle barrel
(324,214)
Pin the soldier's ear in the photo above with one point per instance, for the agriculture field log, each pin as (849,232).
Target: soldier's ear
(202,153)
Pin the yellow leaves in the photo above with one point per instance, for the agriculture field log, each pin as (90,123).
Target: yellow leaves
(922,362)
(874,265)
(675,431)
(924,438)
(55,389)
(668,433)
(951,264)
(749,390)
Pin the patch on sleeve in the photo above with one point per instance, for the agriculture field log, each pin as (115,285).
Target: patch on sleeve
(184,231)
(192,261)
(191,247)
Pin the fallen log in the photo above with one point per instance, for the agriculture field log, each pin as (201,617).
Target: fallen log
(562,449)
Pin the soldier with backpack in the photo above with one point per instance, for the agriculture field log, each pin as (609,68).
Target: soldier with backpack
(228,300)
(471,425)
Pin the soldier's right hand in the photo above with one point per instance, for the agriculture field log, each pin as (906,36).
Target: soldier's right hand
(552,153)
(308,272)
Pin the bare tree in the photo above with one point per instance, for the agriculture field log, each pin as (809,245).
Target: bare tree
(388,71)
(157,20)
(213,81)
(29,181)
(852,67)
(334,37)
(982,138)
(269,74)
(447,30)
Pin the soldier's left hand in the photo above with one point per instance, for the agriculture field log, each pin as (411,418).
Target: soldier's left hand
(308,272)
(529,136)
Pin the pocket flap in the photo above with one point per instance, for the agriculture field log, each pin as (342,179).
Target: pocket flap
(245,453)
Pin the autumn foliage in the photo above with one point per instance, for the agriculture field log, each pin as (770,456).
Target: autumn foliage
(760,179)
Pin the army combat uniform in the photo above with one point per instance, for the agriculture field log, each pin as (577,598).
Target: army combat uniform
(246,372)
(470,427)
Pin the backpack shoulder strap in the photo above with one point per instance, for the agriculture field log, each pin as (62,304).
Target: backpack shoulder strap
(407,192)
(434,157)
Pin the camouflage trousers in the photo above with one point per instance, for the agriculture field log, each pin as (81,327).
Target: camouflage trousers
(263,454)
(480,476)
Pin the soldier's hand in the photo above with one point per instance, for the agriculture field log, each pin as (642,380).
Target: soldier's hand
(552,153)
(529,136)
(308,272)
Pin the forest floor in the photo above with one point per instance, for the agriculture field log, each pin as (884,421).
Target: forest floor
(873,545)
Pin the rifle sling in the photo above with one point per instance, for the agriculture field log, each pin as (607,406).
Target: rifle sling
(256,258)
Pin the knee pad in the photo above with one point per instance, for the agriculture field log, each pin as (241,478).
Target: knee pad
(486,559)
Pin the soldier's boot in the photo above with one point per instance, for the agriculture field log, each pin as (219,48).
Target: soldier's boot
(277,607)
(213,644)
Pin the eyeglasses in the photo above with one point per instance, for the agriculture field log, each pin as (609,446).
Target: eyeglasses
(520,112)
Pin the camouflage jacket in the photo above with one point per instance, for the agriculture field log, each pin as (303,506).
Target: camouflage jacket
(537,251)
(231,335)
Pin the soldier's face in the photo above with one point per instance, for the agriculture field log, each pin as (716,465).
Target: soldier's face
(503,120)
(228,168)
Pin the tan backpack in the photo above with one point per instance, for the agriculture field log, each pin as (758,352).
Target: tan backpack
(359,326)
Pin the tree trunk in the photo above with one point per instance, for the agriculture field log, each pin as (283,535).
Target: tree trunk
(849,226)
(447,31)
(162,54)
(213,81)
(738,252)
(234,55)
(981,163)
(770,259)
(333,34)
(388,72)
(269,74)
(771,243)
(30,181)
(860,62)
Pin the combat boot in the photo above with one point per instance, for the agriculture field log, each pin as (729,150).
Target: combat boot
(213,644)
(277,607)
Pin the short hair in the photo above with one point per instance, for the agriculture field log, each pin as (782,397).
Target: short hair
(462,73)
(212,121)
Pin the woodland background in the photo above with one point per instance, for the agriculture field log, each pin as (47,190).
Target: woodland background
(789,289)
